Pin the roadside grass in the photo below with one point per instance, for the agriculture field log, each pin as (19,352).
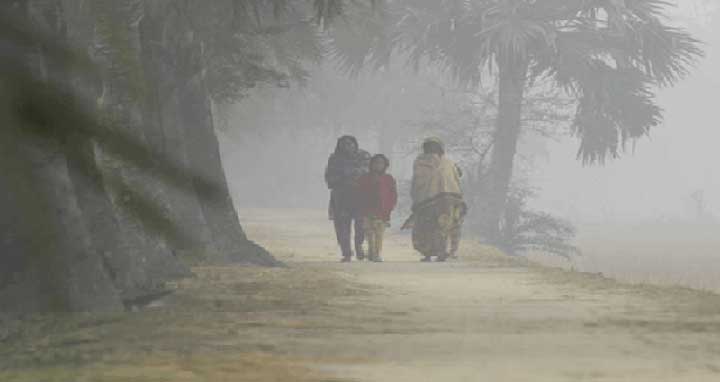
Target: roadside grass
(218,326)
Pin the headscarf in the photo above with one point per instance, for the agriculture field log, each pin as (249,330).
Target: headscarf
(345,138)
(343,168)
(434,175)
(435,140)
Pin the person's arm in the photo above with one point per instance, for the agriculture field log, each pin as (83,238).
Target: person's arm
(331,176)
(394,193)
(364,187)
(413,181)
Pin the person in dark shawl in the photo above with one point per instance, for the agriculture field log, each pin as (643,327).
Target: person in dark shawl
(345,166)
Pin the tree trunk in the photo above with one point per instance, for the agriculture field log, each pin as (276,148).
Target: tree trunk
(134,267)
(167,138)
(55,266)
(496,182)
(117,244)
(48,257)
(204,158)
(149,261)
(93,201)
(203,155)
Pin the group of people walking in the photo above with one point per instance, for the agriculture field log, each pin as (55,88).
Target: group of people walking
(363,196)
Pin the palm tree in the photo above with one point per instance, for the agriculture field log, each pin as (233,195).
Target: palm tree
(609,55)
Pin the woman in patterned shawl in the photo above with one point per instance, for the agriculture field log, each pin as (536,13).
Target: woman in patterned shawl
(438,206)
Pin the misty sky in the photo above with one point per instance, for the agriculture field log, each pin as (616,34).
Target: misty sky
(656,180)
(652,182)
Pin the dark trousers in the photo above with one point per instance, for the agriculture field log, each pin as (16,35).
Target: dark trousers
(343,228)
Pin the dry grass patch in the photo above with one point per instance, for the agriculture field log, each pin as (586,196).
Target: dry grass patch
(221,325)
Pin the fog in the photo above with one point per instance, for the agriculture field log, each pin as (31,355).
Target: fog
(657,176)
(654,178)
(661,186)
(292,131)
(359,190)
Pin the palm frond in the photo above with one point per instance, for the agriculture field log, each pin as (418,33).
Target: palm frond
(615,105)
(327,11)
(664,53)
(362,39)
(648,9)
(560,39)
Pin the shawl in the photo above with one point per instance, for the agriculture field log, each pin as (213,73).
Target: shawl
(434,175)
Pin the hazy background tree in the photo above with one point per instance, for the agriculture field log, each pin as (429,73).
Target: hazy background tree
(609,56)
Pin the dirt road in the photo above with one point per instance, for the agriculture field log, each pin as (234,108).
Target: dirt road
(484,318)
(488,318)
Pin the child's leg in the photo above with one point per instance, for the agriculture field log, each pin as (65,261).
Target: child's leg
(379,235)
(368,225)
(455,237)
(359,237)
(456,231)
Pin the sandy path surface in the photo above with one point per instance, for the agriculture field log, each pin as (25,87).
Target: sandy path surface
(488,318)
(483,318)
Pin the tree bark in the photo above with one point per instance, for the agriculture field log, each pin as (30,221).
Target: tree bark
(167,138)
(56,267)
(203,155)
(134,267)
(46,247)
(204,158)
(149,261)
(496,182)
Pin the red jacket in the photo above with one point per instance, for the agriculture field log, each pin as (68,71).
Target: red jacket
(377,194)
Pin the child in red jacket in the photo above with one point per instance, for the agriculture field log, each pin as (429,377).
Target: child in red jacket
(378,196)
